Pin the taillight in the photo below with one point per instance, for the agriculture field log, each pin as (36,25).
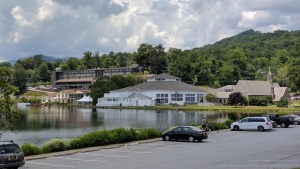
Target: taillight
(199,133)
(267,123)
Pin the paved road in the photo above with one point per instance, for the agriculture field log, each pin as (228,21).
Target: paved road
(279,148)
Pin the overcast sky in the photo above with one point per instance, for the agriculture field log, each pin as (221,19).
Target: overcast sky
(64,28)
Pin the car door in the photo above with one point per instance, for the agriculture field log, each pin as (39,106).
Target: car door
(243,124)
(185,133)
(176,133)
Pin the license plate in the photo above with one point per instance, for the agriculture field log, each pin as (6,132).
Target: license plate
(12,157)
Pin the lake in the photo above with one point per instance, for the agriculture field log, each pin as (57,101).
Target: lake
(39,124)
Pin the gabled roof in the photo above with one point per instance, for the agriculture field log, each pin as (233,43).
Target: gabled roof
(164,76)
(162,85)
(138,96)
(250,87)
(279,93)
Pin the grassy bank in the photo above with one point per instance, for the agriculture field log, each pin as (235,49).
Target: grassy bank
(195,107)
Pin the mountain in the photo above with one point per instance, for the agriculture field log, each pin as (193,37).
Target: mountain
(45,58)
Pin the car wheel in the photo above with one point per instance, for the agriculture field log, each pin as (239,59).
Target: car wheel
(296,123)
(260,128)
(282,125)
(236,128)
(167,138)
(191,139)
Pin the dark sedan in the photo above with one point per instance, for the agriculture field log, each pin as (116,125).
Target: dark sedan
(189,133)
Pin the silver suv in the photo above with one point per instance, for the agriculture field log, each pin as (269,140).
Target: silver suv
(11,155)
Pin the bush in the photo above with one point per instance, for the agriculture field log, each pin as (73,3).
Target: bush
(29,149)
(55,145)
(97,138)
(283,103)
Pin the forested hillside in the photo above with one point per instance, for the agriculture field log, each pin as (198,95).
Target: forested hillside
(247,55)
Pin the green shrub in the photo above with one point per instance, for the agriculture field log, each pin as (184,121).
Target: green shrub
(54,146)
(228,123)
(97,138)
(29,149)
(149,133)
(283,102)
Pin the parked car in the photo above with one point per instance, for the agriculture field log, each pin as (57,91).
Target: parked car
(252,123)
(295,118)
(11,155)
(189,133)
(283,121)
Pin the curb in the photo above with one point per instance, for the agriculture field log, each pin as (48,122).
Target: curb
(89,149)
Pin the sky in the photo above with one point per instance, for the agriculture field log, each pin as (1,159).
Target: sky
(68,28)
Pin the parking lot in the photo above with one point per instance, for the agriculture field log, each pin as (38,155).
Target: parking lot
(279,148)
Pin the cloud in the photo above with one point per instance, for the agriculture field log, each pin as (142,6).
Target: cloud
(71,27)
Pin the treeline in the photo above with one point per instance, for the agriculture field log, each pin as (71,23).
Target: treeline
(247,55)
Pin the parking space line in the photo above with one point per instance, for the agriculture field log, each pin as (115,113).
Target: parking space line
(105,155)
(76,159)
(179,146)
(31,162)
(274,160)
(162,149)
(258,165)
(119,151)
(144,152)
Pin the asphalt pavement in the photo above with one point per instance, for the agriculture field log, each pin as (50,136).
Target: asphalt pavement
(279,148)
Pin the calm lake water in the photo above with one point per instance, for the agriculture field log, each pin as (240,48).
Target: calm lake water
(39,124)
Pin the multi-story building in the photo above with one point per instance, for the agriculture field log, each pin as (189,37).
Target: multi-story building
(83,79)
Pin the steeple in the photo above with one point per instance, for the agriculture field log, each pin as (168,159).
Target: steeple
(269,76)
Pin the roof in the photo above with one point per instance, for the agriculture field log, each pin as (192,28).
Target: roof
(250,87)
(85,99)
(228,87)
(75,91)
(75,80)
(162,85)
(138,96)
(164,76)
(223,95)
(279,93)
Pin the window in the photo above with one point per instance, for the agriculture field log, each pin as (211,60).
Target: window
(176,97)
(199,96)
(190,98)
(162,98)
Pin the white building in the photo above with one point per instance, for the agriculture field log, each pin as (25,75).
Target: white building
(159,89)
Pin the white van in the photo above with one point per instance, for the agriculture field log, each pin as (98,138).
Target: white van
(252,123)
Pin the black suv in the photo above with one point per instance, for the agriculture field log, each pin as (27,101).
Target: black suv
(11,155)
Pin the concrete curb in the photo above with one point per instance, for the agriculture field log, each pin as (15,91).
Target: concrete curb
(89,149)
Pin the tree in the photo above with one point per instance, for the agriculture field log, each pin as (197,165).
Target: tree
(101,86)
(43,72)
(236,98)
(72,63)
(157,60)
(293,75)
(20,78)
(7,115)
(143,55)
(5,64)
(211,98)
(87,60)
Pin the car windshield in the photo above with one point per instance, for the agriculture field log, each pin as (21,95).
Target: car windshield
(269,120)
(9,148)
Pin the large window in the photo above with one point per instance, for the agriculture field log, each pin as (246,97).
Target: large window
(162,98)
(190,98)
(199,96)
(176,97)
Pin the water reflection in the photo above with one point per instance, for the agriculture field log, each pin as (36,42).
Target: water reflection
(40,124)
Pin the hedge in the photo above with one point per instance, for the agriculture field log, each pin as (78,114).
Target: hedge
(96,138)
